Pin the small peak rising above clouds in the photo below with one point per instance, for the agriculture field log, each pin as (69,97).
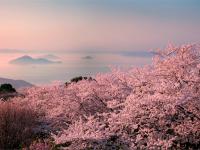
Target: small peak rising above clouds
(26,57)
(30,60)
(87,57)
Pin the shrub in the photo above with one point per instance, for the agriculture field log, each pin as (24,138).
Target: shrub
(80,78)
(16,125)
(77,79)
(7,88)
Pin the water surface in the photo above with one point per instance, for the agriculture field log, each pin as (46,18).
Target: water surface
(73,64)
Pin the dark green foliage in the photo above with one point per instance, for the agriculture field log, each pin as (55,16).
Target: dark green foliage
(80,78)
(7,88)
(77,79)
(66,83)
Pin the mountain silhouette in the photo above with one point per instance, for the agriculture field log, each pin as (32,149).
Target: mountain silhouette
(16,83)
(30,60)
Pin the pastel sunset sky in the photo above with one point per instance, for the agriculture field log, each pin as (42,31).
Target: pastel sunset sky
(89,35)
(97,25)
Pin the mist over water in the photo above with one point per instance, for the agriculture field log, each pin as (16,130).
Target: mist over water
(73,64)
(90,35)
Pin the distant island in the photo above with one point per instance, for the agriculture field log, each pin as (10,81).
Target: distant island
(87,57)
(30,60)
(17,84)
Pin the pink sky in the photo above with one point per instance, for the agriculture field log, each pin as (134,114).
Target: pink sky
(119,29)
(52,27)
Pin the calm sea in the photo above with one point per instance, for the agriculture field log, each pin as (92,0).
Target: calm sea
(73,64)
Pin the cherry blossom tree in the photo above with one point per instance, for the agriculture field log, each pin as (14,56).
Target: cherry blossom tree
(152,107)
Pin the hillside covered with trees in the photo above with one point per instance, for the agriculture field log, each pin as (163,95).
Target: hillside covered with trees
(152,107)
